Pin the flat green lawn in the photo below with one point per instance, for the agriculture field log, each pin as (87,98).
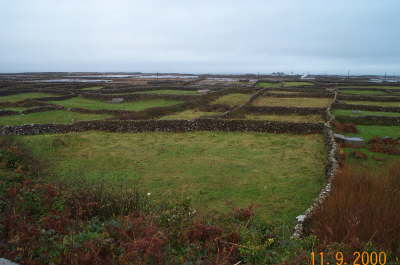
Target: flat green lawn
(290,84)
(189,115)
(292,102)
(373,103)
(169,92)
(79,102)
(286,118)
(269,84)
(364,92)
(92,88)
(23,96)
(369,131)
(55,116)
(234,99)
(280,173)
(358,113)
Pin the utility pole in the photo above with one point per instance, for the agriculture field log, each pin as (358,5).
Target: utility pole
(348,75)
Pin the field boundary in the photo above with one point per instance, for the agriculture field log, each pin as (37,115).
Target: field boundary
(166,126)
(331,168)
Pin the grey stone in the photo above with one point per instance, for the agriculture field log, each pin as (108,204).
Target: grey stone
(356,141)
(117,100)
(203,91)
(300,218)
(6,262)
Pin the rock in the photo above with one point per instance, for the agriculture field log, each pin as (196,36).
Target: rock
(353,141)
(301,218)
(6,262)
(356,111)
(117,100)
(203,91)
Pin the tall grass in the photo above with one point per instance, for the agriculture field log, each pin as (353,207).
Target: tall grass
(363,207)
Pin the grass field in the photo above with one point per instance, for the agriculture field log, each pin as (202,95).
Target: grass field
(189,115)
(358,113)
(14,108)
(92,88)
(55,116)
(269,84)
(285,84)
(283,92)
(23,96)
(92,104)
(169,92)
(292,102)
(215,170)
(369,131)
(286,118)
(364,92)
(234,99)
(373,103)
(290,84)
(366,87)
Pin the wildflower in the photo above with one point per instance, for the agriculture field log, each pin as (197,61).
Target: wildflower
(148,194)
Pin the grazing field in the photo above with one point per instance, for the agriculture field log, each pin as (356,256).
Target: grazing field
(286,118)
(92,88)
(24,96)
(359,113)
(291,84)
(169,92)
(364,92)
(234,99)
(14,108)
(93,104)
(367,87)
(283,92)
(373,103)
(285,84)
(292,102)
(189,115)
(369,131)
(216,170)
(269,84)
(55,116)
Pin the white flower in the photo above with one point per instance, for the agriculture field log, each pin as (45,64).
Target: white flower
(148,194)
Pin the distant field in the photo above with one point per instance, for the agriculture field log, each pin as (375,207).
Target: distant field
(286,84)
(216,170)
(269,84)
(290,84)
(234,99)
(364,92)
(92,104)
(283,92)
(287,118)
(373,103)
(23,96)
(369,131)
(56,116)
(292,102)
(92,88)
(189,115)
(366,87)
(169,92)
(14,108)
(358,113)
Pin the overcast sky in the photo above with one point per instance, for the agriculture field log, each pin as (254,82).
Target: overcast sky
(204,36)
